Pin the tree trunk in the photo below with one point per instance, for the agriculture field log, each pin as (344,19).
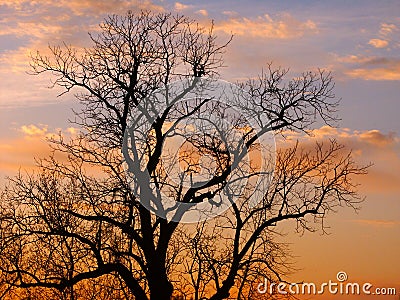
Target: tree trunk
(161,289)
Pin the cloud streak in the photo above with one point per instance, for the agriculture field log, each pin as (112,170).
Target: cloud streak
(368,146)
(387,29)
(377,223)
(30,143)
(180,6)
(371,67)
(284,27)
(83,7)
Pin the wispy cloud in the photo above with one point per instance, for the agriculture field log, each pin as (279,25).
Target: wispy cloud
(387,29)
(391,73)
(202,12)
(32,29)
(371,137)
(370,67)
(180,6)
(377,59)
(368,146)
(30,142)
(35,24)
(33,130)
(378,43)
(84,7)
(230,13)
(378,138)
(377,223)
(385,35)
(283,27)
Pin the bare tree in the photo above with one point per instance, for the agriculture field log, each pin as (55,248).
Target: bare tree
(81,228)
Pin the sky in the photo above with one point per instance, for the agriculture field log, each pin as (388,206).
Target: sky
(358,41)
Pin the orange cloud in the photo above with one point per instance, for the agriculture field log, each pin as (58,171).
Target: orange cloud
(181,6)
(385,32)
(376,74)
(33,29)
(353,59)
(32,130)
(370,146)
(265,27)
(95,7)
(359,139)
(230,13)
(378,43)
(377,138)
(19,153)
(370,67)
(377,223)
(202,12)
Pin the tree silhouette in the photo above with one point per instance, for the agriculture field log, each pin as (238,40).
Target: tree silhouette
(90,225)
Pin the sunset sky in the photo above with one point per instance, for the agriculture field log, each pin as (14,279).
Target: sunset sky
(359,41)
